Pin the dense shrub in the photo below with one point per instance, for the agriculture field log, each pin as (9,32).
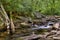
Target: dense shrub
(48,7)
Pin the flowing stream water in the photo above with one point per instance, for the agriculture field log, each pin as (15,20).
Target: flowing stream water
(17,36)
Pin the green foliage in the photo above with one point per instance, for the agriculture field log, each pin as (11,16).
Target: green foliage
(48,7)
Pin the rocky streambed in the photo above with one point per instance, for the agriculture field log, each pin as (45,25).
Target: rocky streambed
(23,30)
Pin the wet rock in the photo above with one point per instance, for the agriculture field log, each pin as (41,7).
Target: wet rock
(51,18)
(58,33)
(56,25)
(53,31)
(51,34)
(43,20)
(38,15)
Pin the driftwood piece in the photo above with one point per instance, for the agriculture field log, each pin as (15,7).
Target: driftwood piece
(6,17)
(12,26)
(5,14)
(56,38)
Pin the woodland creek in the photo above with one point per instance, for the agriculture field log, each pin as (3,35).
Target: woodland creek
(29,19)
(25,28)
(18,35)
